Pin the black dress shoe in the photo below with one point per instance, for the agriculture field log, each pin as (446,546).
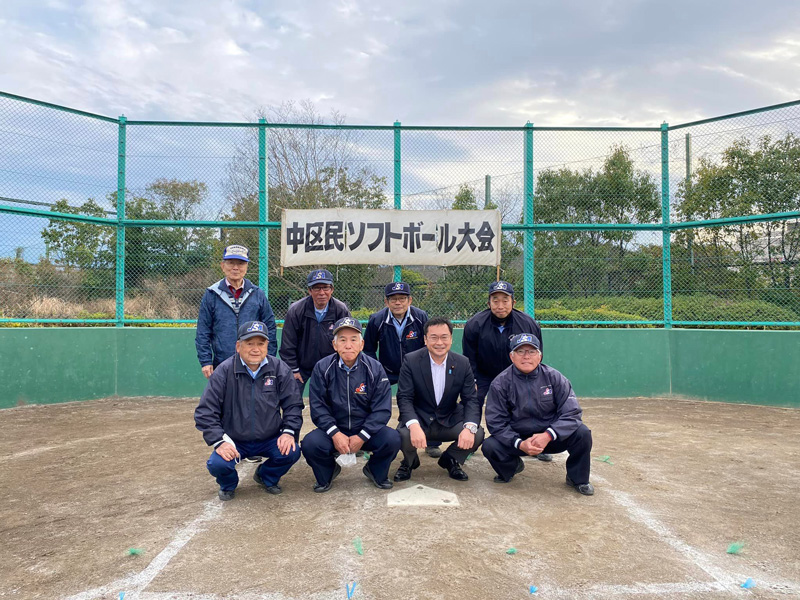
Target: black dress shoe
(319,488)
(453,468)
(270,489)
(544,457)
(383,485)
(226,495)
(587,489)
(433,451)
(519,469)
(403,472)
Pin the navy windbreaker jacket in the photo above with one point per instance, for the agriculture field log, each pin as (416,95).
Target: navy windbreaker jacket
(358,402)
(520,405)
(304,341)
(381,341)
(248,409)
(220,316)
(487,349)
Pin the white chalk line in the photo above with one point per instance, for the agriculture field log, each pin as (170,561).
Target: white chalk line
(41,449)
(133,585)
(729,581)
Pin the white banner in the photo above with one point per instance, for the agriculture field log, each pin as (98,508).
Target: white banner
(349,236)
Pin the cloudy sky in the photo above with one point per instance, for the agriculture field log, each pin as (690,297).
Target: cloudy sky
(599,62)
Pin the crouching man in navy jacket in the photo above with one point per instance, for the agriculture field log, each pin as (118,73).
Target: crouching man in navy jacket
(351,403)
(251,407)
(531,409)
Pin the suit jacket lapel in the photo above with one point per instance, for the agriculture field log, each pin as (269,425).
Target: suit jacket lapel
(427,377)
(449,376)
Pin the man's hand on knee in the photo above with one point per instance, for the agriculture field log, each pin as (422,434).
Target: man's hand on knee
(286,443)
(418,439)
(466,439)
(227,451)
(539,441)
(355,443)
(341,442)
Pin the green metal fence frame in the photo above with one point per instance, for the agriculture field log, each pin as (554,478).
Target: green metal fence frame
(528,227)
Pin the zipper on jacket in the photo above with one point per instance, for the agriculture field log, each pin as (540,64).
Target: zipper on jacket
(349,423)
(252,407)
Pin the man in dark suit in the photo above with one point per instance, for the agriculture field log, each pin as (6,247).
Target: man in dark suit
(430,383)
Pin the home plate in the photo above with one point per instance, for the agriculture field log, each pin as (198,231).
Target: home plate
(420,495)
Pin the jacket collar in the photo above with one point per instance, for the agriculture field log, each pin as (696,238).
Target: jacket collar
(535,373)
(389,315)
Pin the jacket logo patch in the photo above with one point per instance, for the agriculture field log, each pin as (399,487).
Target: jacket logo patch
(361,389)
(412,335)
(547,391)
(269,382)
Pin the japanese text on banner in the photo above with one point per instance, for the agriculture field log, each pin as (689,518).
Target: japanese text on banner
(340,236)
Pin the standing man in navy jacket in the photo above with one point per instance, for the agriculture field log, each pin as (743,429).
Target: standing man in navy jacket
(395,330)
(308,326)
(351,403)
(531,408)
(486,336)
(225,305)
(251,407)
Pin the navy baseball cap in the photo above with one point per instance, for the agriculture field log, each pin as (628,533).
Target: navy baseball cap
(347,323)
(252,329)
(524,339)
(236,251)
(398,287)
(501,286)
(319,276)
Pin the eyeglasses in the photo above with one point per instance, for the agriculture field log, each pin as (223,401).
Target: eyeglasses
(322,288)
(436,338)
(526,352)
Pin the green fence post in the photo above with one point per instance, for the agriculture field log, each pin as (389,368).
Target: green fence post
(487,194)
(529,235)
(666,237)
(120,262)
(263,208)
(398,197)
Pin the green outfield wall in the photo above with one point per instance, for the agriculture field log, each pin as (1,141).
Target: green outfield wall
(50,364)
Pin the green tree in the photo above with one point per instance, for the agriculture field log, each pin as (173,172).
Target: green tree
(83,249)
(752,177)
(308,168)
(166,252)
(596,261)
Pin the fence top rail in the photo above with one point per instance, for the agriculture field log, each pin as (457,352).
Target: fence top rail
(67,109)
(748,219)
(743,113)
(387,127)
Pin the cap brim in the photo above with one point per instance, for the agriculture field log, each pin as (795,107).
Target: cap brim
(396,293)
(319,281)
(338,329)
(525,344)
(507,293)
(237,257)
(247,336)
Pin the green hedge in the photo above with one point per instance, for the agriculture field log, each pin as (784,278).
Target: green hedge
(701,307)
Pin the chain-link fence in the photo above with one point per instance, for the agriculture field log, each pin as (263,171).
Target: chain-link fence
(109,221)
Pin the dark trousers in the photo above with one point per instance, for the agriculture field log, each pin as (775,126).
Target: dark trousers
(435,432)
(271,470)
(320,453)
(483,388)
(578,446)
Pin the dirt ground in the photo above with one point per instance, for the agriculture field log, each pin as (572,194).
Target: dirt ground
(82,483)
